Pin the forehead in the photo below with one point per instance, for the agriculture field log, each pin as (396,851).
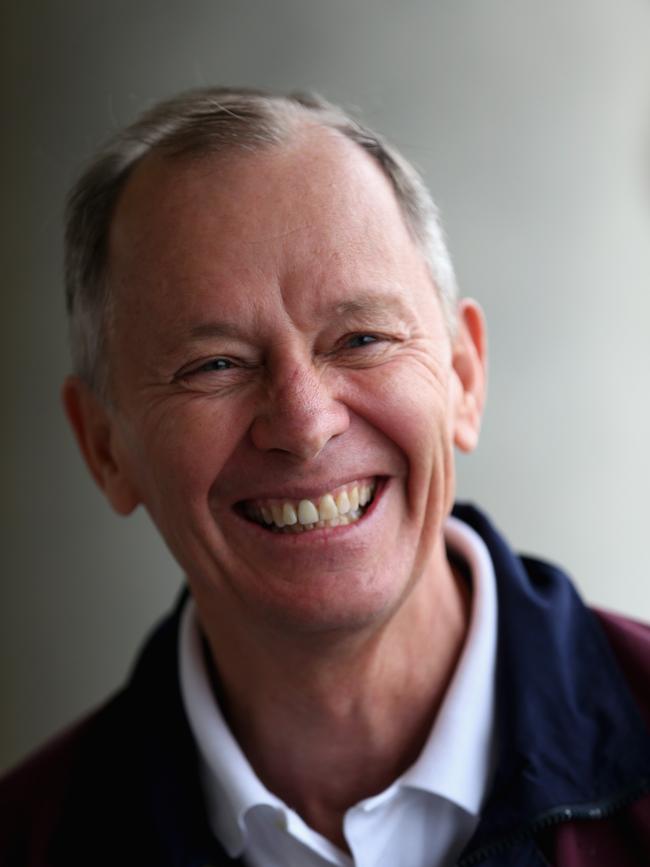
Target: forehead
(315,212)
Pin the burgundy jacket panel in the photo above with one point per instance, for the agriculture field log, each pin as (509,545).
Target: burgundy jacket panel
(120,787)
(33,795)
(630,641)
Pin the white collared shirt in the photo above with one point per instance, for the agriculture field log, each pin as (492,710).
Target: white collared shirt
(423,819)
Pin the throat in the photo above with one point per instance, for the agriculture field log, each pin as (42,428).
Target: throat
(324,731)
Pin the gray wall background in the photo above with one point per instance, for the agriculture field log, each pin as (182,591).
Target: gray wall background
(529,121)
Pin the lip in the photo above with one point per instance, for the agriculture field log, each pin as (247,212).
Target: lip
(319,535)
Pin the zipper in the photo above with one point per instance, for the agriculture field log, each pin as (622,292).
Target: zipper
(557,816)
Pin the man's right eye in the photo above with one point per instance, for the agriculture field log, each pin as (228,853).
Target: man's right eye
(218,364)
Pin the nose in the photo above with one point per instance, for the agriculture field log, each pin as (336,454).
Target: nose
(299,415)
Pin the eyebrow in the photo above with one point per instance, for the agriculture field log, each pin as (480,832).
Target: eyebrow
(216,329)
(369,303)
(372,303)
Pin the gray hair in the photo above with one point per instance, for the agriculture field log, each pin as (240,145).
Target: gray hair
(204,121)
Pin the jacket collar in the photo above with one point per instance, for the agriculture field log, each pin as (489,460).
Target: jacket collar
(574,735)
(166,753)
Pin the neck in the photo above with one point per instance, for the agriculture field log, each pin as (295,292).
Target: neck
(327,723)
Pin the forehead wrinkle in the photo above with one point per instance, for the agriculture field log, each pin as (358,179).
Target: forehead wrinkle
(277,236)
(216,329)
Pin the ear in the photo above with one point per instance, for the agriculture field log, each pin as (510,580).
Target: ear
(99,440)
(469,361)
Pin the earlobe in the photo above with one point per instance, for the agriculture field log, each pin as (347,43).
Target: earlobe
(97,438)
(469,363)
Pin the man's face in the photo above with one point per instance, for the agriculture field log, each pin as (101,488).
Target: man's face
(277,340)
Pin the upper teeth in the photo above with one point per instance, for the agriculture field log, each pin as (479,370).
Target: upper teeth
(340,506)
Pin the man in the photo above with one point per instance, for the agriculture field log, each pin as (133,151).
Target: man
(271,358)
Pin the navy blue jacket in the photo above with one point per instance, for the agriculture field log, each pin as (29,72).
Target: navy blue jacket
(571,786)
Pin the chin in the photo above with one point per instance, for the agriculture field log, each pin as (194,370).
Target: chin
(334,605)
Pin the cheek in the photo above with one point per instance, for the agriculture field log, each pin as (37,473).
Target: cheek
(412,409)
(183,449)
(409,405)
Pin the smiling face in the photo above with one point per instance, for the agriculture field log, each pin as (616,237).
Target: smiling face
(286,396)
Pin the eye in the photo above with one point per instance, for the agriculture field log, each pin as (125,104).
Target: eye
(209,366)
(356,341)
(214,364)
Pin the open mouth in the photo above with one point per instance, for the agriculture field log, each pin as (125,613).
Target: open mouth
(337,508)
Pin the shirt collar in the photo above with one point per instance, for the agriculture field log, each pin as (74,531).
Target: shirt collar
(455,762)
(230,784)
(458,757)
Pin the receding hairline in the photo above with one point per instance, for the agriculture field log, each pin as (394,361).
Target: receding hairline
(165,164)
(165,155)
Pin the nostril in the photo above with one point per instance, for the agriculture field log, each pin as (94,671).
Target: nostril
(302,432)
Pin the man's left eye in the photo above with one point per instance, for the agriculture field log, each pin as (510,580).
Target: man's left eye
(357,340)
(215,364)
